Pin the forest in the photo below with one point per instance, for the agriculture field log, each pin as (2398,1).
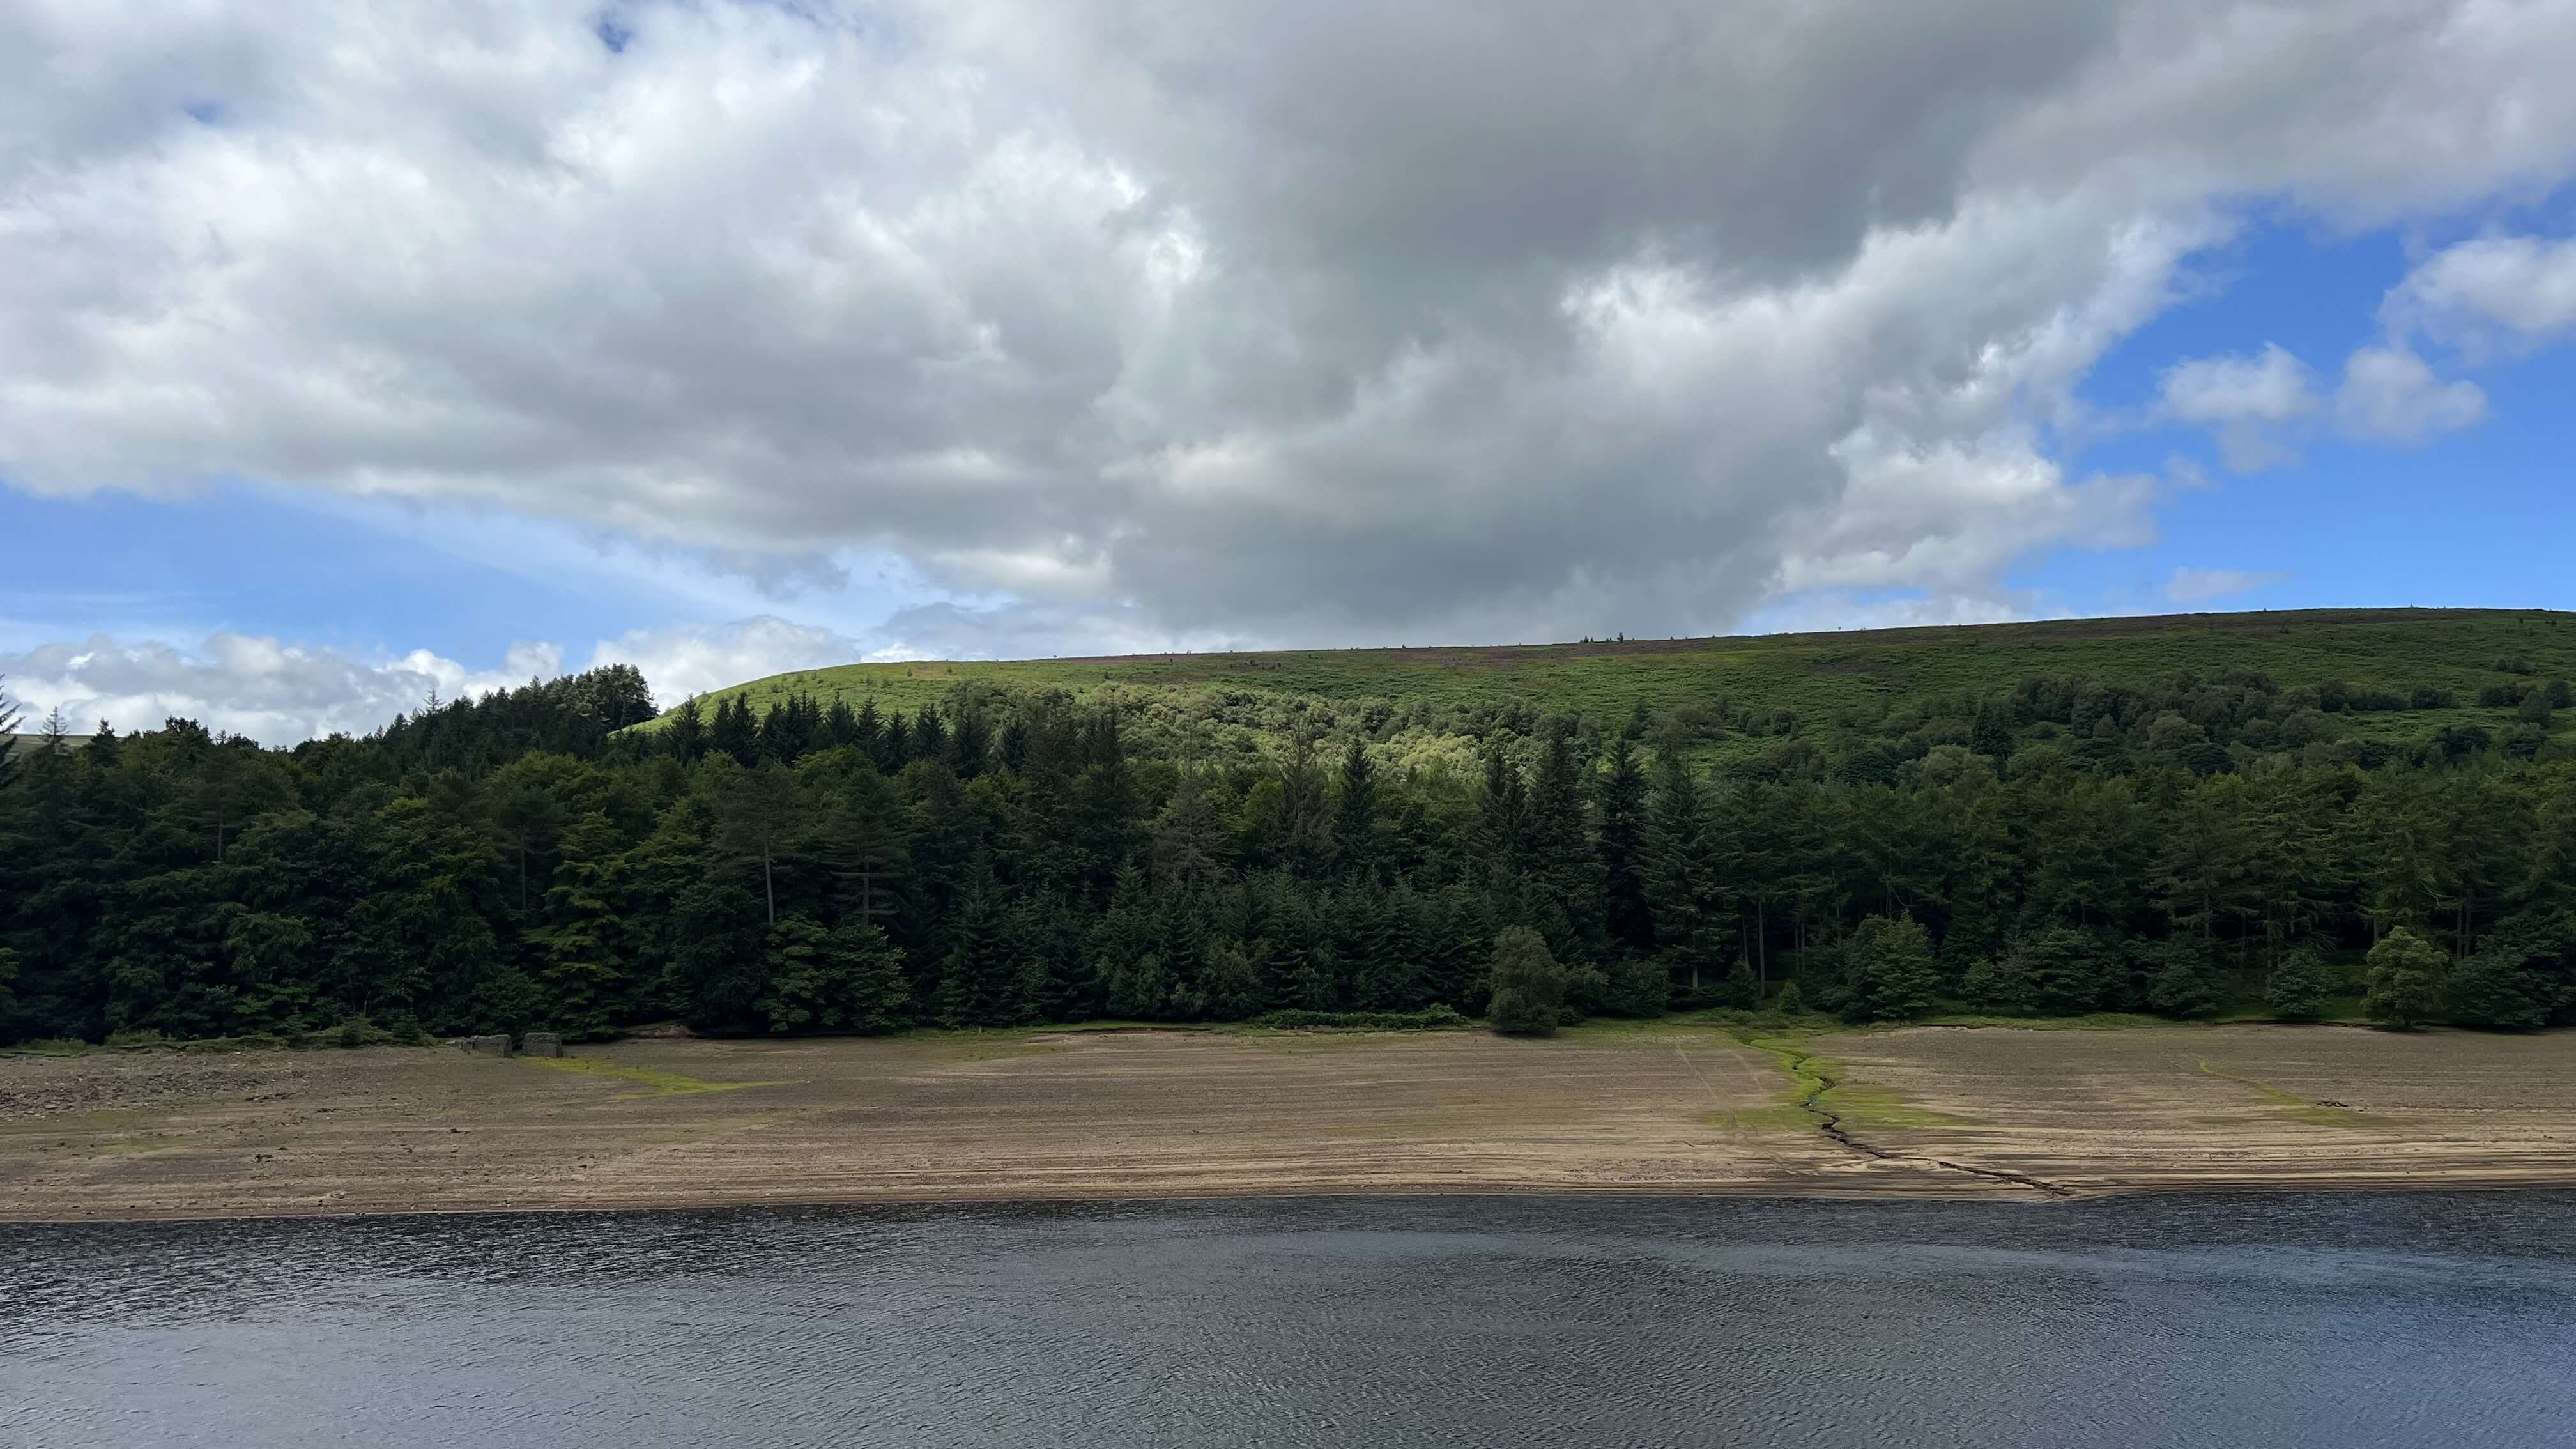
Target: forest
(557,857)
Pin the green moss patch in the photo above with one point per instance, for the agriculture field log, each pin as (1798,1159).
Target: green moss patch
(656,1083)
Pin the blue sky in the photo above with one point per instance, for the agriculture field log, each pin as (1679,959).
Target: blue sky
(349,354)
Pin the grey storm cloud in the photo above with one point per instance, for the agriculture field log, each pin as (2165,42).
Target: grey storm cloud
(1244,321)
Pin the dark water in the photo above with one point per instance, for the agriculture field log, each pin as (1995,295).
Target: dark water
(2348,1321)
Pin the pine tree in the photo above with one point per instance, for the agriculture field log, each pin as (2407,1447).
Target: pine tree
(896,742)
(760,825)
(735,732)
(975,979)
(840,729)
(576,965)
(970,745)
(8,735)
(687,735)
(929,735)
(1188,845)
(868,732)
(1502,812)
(1305,827)
(860,840)
(1355,843)
(1561,862)
(1679,875)
(1620,846)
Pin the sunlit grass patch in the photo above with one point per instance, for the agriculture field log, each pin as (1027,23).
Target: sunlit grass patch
(2292,1106)
(1820,1084)
(658,1083)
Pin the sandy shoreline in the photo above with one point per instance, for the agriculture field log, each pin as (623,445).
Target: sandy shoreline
(1665,1109)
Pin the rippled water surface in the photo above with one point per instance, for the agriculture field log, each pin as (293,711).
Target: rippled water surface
(2281,1321)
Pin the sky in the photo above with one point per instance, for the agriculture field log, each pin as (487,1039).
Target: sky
(350,353)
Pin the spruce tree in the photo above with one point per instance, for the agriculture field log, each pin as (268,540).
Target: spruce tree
(868,732)
(840,726)
(735,732)
(1355,843)
(1676,865)
(929,735)
(1620,845)
(1502,812)
(8,735)
(1561,862)
(687,735)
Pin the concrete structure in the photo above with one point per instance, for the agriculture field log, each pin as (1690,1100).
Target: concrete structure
(541,1044)
(495,1046)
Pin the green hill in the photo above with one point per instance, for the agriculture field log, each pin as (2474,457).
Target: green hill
(2407,674)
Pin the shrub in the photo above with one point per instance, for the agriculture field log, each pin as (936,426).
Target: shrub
(2297,988)
(2001,986)
(1890,969)
(1637,987)
(2070,971)
(1529,985)
(1739,990)
(2405,980)
(2181,981)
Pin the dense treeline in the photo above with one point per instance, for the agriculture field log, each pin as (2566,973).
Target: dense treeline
(518,862)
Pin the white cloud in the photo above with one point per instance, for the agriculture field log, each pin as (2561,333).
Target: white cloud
(2201,586)
(2269,387)
(273,692)
(1143,325)
(2391,395)
(2244,400)
(2492,295)
(679,662)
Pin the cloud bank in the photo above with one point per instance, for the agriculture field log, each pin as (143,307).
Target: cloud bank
(1246,321)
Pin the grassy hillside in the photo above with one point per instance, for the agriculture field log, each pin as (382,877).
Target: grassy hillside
(1425,701)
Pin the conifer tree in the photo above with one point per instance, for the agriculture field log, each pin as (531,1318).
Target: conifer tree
(8,735)
(760,825)
(1561,861)
(840,726)
(1355,843)
(1620,847)
(687,735)
(735,732)
(1678,866)
(868,736)
(1502,812)
(929,735)
(1188,846)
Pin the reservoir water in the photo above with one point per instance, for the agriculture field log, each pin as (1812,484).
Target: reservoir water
(2344,1320)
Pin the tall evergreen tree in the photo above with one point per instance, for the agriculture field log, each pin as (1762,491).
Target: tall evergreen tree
(687,735)
(1355,842)
(1621,849)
